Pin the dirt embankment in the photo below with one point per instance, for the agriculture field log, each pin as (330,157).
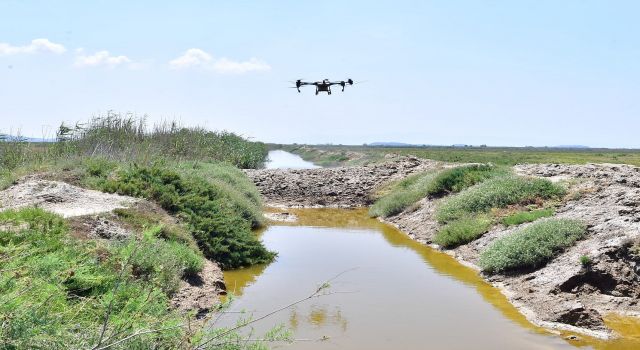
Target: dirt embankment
(332,187)
(561,295)
(90,216)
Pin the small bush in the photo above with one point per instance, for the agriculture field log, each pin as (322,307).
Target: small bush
(531,246)
(498,192)
(462,231)
(526,216)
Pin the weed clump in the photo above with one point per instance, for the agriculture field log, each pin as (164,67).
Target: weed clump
(526,216)
(461,231)
(531,246)
(585,261)
(497,192)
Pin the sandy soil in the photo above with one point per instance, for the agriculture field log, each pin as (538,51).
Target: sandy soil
(61,198)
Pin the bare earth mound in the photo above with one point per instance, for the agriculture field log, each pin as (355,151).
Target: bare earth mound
(563,294)
(342,187)
(61,198)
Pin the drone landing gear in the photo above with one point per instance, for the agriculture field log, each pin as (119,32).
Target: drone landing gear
(316,90)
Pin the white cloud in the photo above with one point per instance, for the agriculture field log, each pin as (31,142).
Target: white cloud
(100,58)
(191,58)
(196,58)
(36,46)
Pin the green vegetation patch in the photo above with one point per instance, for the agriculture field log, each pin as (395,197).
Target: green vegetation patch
(55,290)
(531,246)
(477,154)
(160,262)
(462,231)
(402,195)
(458,178)
(415,187)
(238,188)
(526,216)
(126,138)
(498,192)
(221,229)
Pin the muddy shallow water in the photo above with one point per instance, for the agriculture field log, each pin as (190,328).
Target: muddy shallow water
(393,293)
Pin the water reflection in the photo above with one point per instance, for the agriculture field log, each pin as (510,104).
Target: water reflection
(280,159)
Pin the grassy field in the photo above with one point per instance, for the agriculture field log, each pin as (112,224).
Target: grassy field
(343,155)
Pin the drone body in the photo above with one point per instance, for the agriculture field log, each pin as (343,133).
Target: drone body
(324,85)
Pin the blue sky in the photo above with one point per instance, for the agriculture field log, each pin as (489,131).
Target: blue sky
(439,72)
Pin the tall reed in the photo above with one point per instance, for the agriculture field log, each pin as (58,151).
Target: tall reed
(129,138)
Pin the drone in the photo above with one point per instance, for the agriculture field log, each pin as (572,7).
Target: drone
(324,85)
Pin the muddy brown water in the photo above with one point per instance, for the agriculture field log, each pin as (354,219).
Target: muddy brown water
(393,293)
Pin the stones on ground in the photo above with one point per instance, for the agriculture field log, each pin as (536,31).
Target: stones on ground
(332,187)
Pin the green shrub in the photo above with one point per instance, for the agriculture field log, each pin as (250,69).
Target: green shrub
(221,230)
(238,188)
(462,231)
(526,216)
(458,178)
(532,245)
(100,167)
(498,192)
